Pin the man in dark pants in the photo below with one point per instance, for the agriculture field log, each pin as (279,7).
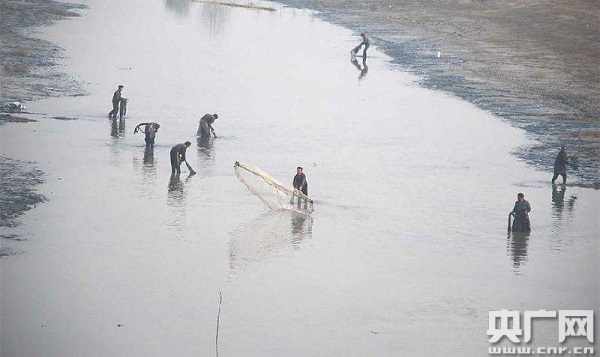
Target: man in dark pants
(300,181)
(178,156)
(560,165)
(205,126)
(115,102)
(365,42)
(521,214)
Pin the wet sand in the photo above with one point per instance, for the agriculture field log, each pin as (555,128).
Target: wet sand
(533,62)
(30,66)
(19,182)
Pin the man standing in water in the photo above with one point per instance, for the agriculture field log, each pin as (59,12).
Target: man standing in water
(300,181)
(365,42)
(205,126)
(521,214)
(560,165)
(149,130)
(116,99)
(178,156)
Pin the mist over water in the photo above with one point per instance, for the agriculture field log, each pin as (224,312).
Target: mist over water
(407,246)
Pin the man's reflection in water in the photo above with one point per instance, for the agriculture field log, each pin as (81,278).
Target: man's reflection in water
(301,228)
(175,191)
(148,156)
(114,128)
(517,243)
(363,70)
(117,127)
(558,200)
(176,201)
(276,232)
(215,17)
(206,151)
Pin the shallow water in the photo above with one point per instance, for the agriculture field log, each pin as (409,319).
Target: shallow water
(407,248)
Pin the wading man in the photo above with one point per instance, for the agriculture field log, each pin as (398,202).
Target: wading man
(560,165)
(178,156)
(300,181)
(365,42)
(149,130)
(116,99)
(205,126)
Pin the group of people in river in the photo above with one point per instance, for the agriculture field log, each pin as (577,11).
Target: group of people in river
(177,153)
(520,211)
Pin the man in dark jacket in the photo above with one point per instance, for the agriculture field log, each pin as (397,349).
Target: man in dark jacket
(300,181)
(178,156)
(115,102)
(560,165)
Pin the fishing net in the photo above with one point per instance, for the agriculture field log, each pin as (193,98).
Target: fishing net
(272,192)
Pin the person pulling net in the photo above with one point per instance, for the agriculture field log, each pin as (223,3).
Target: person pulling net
(273,193)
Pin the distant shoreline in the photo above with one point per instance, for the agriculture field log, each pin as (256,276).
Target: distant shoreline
(532,62)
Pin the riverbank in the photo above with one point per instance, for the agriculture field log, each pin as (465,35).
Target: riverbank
(29,70)
(30,67)
(532,62)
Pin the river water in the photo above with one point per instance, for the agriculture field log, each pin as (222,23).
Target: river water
(405,254)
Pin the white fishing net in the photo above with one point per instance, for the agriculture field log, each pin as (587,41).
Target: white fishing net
(272,192)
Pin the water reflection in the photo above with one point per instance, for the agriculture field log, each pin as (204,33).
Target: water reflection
(117,128)
(176,199)
(558,201)
(180,7)
(149,159)
(205,150)
(516,245)
(364,69)
(270,233)
(215,18)
(176,193)
(149,167)
(301,228)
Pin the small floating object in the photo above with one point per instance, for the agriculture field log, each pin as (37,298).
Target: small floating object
(439,54)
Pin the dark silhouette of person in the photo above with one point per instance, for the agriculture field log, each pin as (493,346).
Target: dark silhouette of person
(560,165)
(116,99)
(520,213)
(299,181)
(150,129)
(178,156)
(205,127)
(365,42)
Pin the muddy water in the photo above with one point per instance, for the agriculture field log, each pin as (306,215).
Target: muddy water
(407,248)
